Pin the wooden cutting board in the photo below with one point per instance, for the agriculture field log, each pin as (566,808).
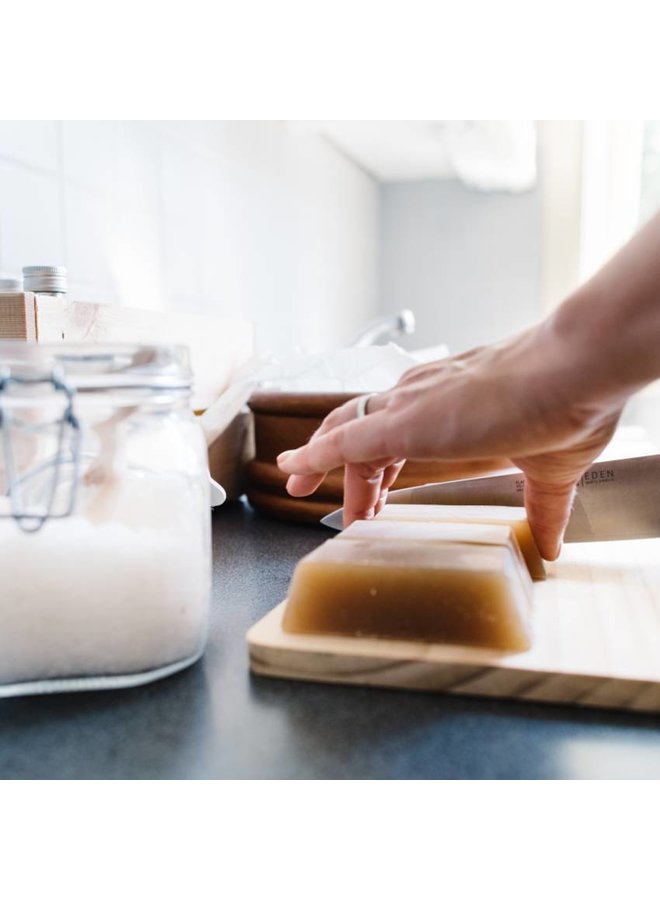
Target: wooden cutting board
(596,641)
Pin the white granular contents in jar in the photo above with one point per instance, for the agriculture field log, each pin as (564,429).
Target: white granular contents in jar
(123,596)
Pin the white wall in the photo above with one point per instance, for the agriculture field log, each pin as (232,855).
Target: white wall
(560,145)
(467,263)
(253,219)
(265,221)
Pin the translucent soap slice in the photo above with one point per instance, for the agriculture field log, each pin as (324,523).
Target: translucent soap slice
(452,532)
(423,530)
(513,516)
(441,592)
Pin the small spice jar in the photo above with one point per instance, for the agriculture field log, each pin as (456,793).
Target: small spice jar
(104,517)
(10,285)
(49,281)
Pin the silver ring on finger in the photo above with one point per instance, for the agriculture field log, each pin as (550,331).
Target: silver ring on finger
(361,409)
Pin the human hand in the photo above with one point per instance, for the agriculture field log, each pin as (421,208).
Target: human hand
(520,399)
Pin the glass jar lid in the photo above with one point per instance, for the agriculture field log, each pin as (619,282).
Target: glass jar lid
(40,389)
(97,367)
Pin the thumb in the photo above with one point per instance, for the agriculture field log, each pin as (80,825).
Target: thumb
(548,509)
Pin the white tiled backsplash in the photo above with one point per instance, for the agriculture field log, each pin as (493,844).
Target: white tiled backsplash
(252,219)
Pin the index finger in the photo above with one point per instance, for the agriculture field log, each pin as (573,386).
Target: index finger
(361,440)
(365,488)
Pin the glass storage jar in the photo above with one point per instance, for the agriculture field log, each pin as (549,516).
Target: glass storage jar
(105,560)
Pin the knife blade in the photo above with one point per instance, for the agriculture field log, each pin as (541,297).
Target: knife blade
(616,499)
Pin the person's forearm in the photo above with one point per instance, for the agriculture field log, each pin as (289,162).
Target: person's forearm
(609,329)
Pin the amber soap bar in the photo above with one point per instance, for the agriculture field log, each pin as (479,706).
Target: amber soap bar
(424,590)
(513,516)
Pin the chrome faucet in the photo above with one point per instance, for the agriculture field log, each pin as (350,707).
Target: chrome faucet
(387,326)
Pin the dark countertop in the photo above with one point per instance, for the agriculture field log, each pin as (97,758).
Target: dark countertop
(215,720)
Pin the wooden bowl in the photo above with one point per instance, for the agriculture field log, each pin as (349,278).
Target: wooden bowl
(286,420)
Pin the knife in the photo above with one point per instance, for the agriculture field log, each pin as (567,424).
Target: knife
(616,499)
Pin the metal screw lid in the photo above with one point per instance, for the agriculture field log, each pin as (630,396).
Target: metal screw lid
(10,285)
(45,279)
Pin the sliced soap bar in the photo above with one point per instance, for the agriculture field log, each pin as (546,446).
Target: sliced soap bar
(513,516)
(425,590)
(446,532)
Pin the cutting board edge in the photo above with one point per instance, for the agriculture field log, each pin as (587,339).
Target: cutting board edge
(408,665)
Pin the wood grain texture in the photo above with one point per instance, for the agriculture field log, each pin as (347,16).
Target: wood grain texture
(17,317)
(596,641)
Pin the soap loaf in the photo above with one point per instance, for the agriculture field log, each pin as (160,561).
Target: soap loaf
(475,592)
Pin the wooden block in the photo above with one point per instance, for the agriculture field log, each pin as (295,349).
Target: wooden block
(17,317)
(218,346)
(596,626)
